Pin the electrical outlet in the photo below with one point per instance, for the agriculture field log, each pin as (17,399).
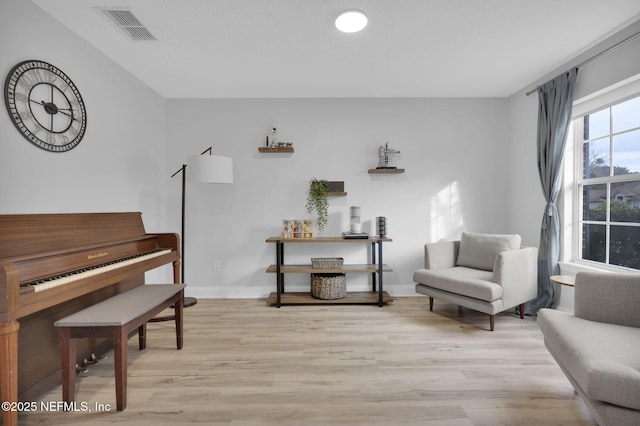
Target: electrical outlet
(216,265)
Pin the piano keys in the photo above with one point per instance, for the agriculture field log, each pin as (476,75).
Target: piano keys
(52,265)
(68,277)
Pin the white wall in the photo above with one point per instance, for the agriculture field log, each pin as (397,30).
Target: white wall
(527,202)
(119,164)
(453,151)
(470,162)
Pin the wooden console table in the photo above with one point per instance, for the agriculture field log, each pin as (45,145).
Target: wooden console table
(375,268)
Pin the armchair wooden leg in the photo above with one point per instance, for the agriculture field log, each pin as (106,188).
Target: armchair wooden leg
(522,311)
(430,303)
(492,321)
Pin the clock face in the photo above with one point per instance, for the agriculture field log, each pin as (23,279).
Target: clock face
(45,106)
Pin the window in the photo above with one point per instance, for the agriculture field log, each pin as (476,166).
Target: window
(608,184)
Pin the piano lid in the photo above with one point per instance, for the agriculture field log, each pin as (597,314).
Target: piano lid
(46,234)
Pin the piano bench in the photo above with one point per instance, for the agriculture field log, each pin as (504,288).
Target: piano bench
(116,317)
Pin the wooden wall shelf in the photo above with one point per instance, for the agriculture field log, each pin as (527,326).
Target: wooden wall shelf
(336,194)
(268,149)
(386,171)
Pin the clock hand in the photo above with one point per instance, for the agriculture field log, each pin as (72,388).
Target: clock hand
(68,114)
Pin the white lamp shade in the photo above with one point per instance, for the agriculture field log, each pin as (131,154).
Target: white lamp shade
(210,169)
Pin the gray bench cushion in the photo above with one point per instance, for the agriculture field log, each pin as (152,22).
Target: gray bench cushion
(468,282)
(603,359)
(122,308)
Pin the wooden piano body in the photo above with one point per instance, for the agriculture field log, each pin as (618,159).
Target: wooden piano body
(52,265)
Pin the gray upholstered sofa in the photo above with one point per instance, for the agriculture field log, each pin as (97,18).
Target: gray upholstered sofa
(489,273)
(598,347)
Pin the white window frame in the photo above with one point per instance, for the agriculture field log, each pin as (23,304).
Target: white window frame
(571,196)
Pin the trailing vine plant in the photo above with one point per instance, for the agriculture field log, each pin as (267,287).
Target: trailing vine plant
(317,201)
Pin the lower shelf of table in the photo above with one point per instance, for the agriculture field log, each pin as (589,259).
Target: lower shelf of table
(352,298)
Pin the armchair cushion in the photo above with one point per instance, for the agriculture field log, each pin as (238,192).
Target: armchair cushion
(461,280)
(479,251)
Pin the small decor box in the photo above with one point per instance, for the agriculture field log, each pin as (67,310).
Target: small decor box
(328,286)
(326,262)
(335,186)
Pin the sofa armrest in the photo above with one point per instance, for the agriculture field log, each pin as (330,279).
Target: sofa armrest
(612,298)
(440,255)
(517,272)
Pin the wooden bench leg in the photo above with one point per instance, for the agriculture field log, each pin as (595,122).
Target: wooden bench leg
(179,309)
(142,336)
(120,349)
(492,322)
(430,303)
(68,352)
(522,311)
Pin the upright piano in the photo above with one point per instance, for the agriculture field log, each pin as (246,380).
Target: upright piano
(52,265)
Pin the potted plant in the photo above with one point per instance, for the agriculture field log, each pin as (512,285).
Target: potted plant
(317,201)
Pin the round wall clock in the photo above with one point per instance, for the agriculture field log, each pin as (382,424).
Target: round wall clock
(45,106)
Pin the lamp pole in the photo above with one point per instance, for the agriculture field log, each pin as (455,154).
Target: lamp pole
(183,169)
(214,169)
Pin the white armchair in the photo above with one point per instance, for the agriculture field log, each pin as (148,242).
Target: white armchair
(489,273)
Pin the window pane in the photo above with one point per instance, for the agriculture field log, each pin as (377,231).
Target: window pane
(597,124)
(626,115)
(624,247)
(593,242)
(626,153)
(594,202)
(597,162)
(625,202)
(609,211)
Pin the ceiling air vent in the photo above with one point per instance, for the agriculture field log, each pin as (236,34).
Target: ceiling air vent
(127,22)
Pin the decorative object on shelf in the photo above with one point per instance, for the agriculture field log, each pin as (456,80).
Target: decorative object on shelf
(381,223)
(335,188)
(328,286)
(274,144)
(387,157)
(287,231)
(317,201)
(327,262)
(202,169)
(355,236)
(272,137)
(307,228)
(45,106)
(297,228)
(355,226)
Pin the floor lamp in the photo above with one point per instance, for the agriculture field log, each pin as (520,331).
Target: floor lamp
(202,169)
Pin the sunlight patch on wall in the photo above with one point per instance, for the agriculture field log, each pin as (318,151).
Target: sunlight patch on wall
(446,213)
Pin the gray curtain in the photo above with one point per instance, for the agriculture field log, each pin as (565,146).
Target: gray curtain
(555,100)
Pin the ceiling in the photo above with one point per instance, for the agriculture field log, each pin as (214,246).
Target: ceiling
(291,49)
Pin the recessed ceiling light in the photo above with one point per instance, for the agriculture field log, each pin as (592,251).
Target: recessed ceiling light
(351,21)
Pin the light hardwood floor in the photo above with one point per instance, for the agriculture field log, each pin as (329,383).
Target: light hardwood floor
(246,363)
